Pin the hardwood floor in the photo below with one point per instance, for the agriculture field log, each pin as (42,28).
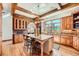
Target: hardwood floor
(13,50)
(68,51)
(9,49)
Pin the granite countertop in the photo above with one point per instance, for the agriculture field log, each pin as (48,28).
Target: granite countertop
(41,36)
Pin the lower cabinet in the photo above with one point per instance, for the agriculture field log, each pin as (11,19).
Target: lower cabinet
(17,38)
(76,42)
(72,41)
(64,39)
(67,40)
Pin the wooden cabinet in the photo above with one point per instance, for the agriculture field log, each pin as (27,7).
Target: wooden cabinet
(76,20)
(48,45)
(63,40)
(67,40)
(19,25)
(67,23)
(18,38)
(76,42)
(20,22)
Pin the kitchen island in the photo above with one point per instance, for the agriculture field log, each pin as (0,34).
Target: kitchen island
(46,42)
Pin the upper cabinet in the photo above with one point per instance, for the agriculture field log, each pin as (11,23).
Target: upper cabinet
(67,23)
(20,23)
(76,20)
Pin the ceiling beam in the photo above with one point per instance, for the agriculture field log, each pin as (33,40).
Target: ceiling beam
(1,6)
(26,11)
(69,5)
(13,8)
(60,5)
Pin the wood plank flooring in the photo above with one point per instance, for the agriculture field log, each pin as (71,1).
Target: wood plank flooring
(9,49)
(13,50)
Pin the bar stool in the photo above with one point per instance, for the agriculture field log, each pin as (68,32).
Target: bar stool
(36,48)
(28,45)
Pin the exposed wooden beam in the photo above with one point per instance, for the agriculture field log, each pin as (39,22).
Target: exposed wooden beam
(60,5)
(69,5)
(1,6)
(13,8)
(26,11)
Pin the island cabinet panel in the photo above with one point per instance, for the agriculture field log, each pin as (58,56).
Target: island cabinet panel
(76,42)
(57,39)
(48,45)
(67,23)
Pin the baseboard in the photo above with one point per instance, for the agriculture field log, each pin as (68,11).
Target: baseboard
(6,40)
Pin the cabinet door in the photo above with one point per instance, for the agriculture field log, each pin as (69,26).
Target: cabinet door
(63,40)
(18,38)
(63,23)
(76,43)
(69,22)
(15,23)
(69,41)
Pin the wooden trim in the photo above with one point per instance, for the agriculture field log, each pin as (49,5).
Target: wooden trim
(1,6)
(26,11)
(13,8)
(60,5)
(6,40)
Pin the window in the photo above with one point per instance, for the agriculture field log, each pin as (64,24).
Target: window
(48,27)
(56,25)
(52,25)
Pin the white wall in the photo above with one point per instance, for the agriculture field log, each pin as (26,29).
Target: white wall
(7,27)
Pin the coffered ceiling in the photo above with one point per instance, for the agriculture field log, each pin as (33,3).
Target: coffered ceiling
(39,8)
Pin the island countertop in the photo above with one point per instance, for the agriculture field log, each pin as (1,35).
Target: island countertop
(40,37)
